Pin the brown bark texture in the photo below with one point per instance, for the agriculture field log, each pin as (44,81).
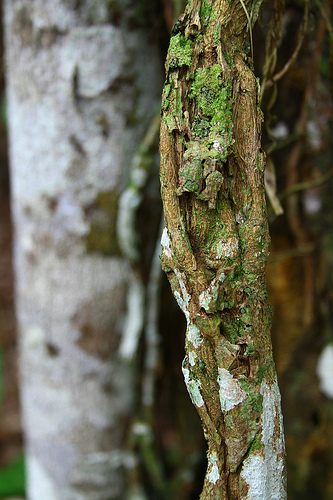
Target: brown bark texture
(215,246)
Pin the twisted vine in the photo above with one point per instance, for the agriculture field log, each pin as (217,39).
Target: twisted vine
(215,246)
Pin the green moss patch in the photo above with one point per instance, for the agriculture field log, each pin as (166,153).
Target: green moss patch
(180,51)
(214,102)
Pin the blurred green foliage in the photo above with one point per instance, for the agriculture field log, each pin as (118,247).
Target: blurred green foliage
(12,478)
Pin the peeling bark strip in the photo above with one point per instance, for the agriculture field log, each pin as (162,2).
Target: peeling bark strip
(79,105)
(215,246)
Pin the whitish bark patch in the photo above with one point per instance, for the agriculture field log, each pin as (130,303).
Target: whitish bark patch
(254,474)
(129,202)
(183,299)
(231,393)
(40,482)
(192,358)
(193,387)
(213,470)
(325,371)
(165,242)
(263,471)
(194,336)
(134,320)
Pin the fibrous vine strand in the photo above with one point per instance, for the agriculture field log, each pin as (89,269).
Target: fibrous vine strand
(215,246)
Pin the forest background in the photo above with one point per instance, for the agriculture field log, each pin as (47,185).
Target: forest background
(293,59)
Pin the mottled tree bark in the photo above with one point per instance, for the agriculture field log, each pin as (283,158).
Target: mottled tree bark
(79,103)
(215,246)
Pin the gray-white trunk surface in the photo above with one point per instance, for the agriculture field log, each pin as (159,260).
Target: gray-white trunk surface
(83,84)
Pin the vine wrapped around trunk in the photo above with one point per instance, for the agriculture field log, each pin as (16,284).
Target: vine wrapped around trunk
(215,246)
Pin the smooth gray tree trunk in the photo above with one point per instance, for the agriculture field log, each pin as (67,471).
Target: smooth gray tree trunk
(83,85)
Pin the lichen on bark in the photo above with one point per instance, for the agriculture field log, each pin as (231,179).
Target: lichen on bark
(215,246)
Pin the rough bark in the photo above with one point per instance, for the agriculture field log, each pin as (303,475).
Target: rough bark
(79,103)
(215,246)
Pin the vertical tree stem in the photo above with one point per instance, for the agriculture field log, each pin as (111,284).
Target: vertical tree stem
(215,247)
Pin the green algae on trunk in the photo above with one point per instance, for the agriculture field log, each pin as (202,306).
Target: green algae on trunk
(215,246)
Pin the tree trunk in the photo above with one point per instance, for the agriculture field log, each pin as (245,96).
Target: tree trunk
(79,103)
(215,246)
